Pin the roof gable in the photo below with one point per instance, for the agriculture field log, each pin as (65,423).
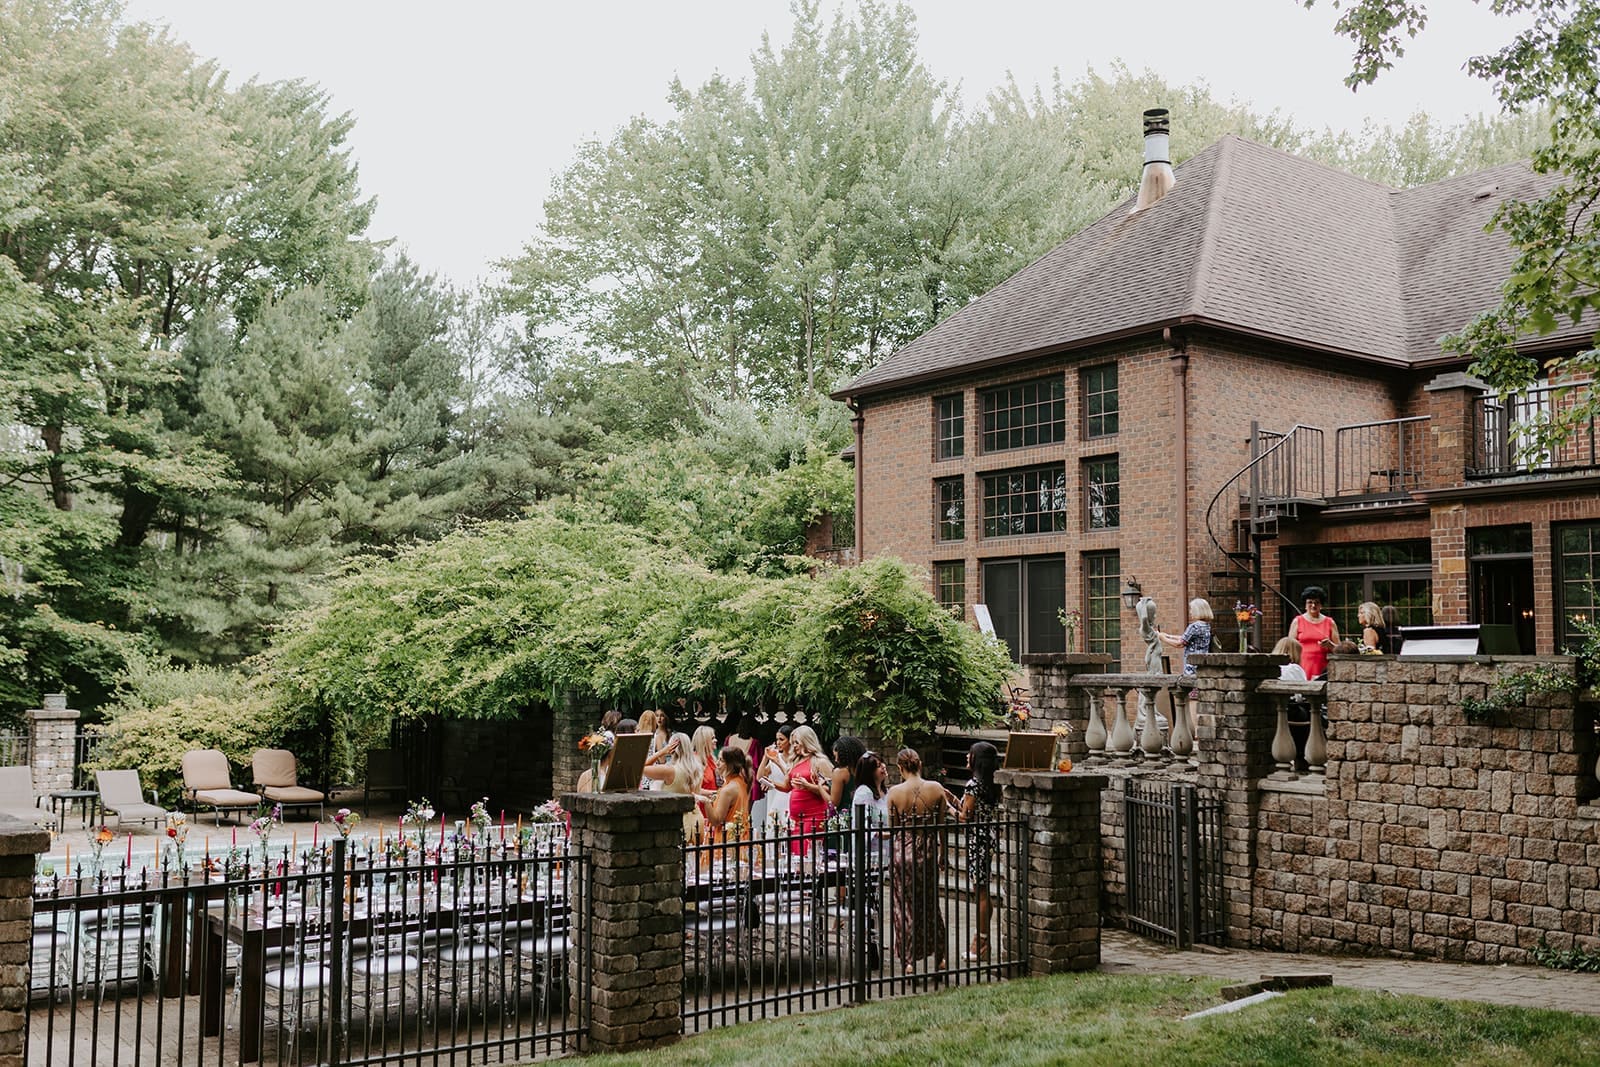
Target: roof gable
(1254,239)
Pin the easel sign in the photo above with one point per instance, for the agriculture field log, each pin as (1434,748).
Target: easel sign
(985,621)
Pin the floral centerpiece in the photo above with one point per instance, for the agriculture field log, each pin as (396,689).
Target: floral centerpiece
(263,826)
(597,746)
(1062,730)
(345,821)
(420,814)
(478,816)
(177,836)
(1070,620)
(549,811)
(1245,615)
(102,838)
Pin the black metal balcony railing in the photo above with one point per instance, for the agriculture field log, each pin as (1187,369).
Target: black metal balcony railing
(1380,459)
(1507,440)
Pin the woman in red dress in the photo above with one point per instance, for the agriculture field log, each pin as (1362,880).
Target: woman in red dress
(1316,632)
(809,783)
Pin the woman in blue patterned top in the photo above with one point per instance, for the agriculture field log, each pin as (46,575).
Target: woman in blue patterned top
(1196,638)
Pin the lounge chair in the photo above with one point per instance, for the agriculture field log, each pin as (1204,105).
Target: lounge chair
(122,795)
(17,797)
(277,775)
(207,781)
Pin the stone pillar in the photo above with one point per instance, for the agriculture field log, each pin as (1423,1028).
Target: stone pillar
(1056,701)
(575,716)
(19,845)
(53,744)
(1452,438)
(632,927)
(1062,813)
(1234,742)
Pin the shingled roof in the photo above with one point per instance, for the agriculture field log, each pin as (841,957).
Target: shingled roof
(1251,239)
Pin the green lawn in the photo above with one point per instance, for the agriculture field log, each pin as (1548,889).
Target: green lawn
(1104,1019)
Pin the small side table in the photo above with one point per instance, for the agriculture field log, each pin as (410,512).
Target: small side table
(88,801)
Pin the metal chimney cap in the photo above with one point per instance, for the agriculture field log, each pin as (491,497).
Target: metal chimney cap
(1157,120)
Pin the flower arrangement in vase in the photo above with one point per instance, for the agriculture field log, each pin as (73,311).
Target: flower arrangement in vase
(597,746)
(1245,614)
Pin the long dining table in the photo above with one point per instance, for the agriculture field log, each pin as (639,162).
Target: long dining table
(416,910)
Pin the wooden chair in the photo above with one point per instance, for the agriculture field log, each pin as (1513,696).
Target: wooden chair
(207,781)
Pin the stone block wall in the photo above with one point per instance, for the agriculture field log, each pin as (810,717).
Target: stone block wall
(19,844)
(1436,836)
(1062,812)
(633,926)
(52,745)
(506,760)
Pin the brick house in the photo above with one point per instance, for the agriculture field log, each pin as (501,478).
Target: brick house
(1230,387)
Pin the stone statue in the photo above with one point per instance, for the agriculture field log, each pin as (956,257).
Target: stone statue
(1146,610)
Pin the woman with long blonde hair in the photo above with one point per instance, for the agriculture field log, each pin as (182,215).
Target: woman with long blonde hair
(810,783)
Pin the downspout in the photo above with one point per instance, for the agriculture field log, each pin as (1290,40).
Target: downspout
(858,422)
(1180,405)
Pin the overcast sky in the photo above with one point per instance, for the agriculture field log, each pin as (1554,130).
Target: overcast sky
(464,111)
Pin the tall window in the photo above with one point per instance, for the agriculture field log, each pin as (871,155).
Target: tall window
(950,587)
(950,508)
(1396,574)
(1579,548)
(1098,386)
(1025,598)
(1102,493)
(1027,501)
(950,425)
(1102,586)
(1023,415)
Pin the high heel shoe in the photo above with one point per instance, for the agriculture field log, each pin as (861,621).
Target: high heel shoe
(979,949)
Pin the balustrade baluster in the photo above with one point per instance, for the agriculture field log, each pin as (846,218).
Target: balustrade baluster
(1317,743)
(1181,714)
(1094,734)
(1150,739)
(1121,741)
(1283,742)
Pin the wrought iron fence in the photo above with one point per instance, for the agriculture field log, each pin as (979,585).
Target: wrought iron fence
(84,744)
(1173,847)
(789,920)
(335,956)
(14,748)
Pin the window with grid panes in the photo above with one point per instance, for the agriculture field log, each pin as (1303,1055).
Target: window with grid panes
(1102,493)
(950,508)
(950,587)
(950,425)
(1028,501)
(1098,387)
(1025,414)
(1102,620)
(1579,549)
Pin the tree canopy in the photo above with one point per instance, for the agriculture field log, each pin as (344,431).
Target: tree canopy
(1548,73)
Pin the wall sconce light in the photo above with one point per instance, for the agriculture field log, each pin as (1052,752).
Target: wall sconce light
(1528,614)
(1132,591)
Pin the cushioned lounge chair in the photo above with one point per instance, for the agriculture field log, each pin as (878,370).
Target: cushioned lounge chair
(122,795)
(277,776)
(208,783)
(17,797)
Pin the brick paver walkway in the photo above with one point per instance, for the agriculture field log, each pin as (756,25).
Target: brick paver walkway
(1521,986)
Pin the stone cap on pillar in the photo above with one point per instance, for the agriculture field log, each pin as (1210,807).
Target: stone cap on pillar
(633,804)
(18,838)
(1052,781)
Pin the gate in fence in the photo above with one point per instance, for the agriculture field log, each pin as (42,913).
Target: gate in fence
(333,957)
(1173,847)
(790,920)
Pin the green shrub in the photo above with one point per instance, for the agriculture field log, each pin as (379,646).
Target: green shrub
(163,712)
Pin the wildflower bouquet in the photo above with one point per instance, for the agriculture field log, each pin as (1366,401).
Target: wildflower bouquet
(549,811)
(177,835)
(479,817)
(1245,615)
(263,826)
(597,746)
(345,821)
(420,814)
